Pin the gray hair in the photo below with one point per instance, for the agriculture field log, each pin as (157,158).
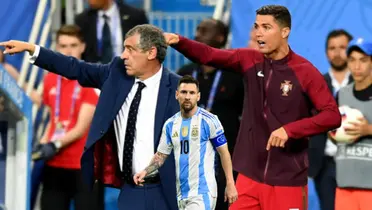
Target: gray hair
(150,36)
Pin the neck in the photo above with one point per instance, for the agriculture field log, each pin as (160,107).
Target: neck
(279,53)
(189,114)
(363,84)
(107,5)
(207,69)
(339,75)
(151,70)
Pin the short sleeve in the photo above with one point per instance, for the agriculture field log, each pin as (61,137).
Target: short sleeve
(165,144)
(89,96)
(217,135)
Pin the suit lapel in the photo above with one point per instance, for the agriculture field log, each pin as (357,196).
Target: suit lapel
(161,106)
(124,86)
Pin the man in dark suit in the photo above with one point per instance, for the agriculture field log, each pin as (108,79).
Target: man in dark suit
(321,149)
(137,97)
(104,26)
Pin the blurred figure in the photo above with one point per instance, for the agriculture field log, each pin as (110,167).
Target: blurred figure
(322,150)
(71,110)
(34,96)
(104,26)
(354,159)
(222,92)
(252,43)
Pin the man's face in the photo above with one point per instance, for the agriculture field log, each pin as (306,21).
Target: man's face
(97,4)
(70,46)
(208,33)
(135,59)
(360,65)
(188,96)
(336,52)
(269,34)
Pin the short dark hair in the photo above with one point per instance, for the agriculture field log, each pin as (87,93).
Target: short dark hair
(336,33)
(188,79)
(279,12)
(70,30)
(150,36)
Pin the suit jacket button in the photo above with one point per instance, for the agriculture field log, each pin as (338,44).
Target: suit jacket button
(101,132)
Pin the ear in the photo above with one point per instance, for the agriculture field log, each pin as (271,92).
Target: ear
(220,38)
(82,49)
(198,96)
(152,53)
(177,93)
(285,32)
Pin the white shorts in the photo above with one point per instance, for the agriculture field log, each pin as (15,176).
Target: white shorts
(199,202)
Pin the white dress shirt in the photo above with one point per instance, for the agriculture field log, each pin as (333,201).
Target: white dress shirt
(143,146)
(115,28)
(331,148)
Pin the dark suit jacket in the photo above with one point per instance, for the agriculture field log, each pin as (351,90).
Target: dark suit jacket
(87,21)
(100,161)
(318,143)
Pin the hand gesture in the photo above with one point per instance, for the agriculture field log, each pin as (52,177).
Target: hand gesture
(138,178)
(14,46)
(278,138)
(231,194)
(171,38)
(358,129)
(44,151)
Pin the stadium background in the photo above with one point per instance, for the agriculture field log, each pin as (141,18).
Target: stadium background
(37,20)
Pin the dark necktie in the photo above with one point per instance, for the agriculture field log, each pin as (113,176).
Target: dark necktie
(130,133)
(107,50)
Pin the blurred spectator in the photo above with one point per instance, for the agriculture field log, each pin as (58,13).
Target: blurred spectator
(354,159)
(34,96)
(104,25)
(71,111)
(322,150)
(222,92)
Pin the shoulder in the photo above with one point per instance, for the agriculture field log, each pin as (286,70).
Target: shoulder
(347,88)
(208,117)
(171,120)
(82,17)
(304,68)
(127,9)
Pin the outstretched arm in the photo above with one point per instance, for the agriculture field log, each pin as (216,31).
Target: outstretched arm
(206,55)
(88,75)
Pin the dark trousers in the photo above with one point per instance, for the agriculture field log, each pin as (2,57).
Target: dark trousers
(147,197)
(325,184)
(61,186)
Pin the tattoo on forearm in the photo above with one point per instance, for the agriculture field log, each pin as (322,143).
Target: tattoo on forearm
(156,162)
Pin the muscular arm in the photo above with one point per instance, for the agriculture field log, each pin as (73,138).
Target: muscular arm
(328,116)
(156,162)
(218,58)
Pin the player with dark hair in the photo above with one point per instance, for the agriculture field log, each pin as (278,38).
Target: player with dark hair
(283,90)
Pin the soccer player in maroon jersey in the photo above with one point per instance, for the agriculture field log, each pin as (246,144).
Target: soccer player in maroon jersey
(283,90)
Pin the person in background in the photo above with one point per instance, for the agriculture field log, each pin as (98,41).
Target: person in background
(104,26)
(321,149)
(353,159)
(222,93)
(71,109)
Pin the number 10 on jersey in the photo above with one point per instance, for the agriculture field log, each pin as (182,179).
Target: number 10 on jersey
(185,146)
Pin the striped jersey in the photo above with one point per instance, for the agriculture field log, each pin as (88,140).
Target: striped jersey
(193,141)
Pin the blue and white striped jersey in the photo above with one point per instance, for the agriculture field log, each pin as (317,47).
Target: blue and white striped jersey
(194,141)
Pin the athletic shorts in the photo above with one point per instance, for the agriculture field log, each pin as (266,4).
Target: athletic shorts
(199,202)
(350,199)
(253,195)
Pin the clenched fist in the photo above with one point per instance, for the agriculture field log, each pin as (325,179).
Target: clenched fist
(171,38)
